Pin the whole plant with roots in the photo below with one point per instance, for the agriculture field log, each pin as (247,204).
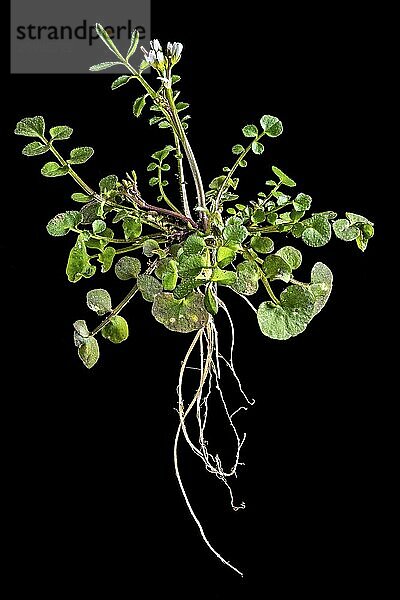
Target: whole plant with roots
(192,241)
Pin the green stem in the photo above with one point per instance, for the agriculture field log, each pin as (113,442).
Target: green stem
(163,194)
(100,237)
(160,239)
(181,177)
(233,169)
(116,310)
(178,127)
(71,171)
(267,285)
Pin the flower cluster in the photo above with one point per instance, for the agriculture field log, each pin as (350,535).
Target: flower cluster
(160,60)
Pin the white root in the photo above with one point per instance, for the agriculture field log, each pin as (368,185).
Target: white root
(209,379)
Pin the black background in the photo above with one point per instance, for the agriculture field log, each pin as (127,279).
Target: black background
(93,503)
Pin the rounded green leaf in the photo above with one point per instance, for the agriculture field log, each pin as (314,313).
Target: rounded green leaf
(191,265)
(194,244)
(53,169)
(184,315)
(284,179)
(132,227)
(81,329)
(78,265)
(89,352)
(271,125)
(223,277)
(367,230)
(290,317)
(99,226)
(106,258)
(128,267)
(185,287)
(237,149)
(31,127)
(34,149)
(320,286)
(79,197)
(116,330)
(99,301)
(302,202)
(291,256)
(150,247)
(80,155)
(261,244)
(275,266)
(250,131)
(234,232)
(149,287)
(247,276)
(257,148)
(153,181)
(344,231)
(210,301)
(108,183)
(258,216)
(61,132)
(317,231)
(225,256)
(62,223)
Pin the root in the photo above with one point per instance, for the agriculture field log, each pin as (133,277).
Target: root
(209,380)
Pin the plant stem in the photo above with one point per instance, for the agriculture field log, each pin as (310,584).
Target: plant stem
(178,127)
(116,310)
(163,194)
(233,169)
(71,171)
(268,287)
(181,177)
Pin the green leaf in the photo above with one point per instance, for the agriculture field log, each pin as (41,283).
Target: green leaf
(134,43)
(170,275)
(263,245)
(53,169)
(153,181)
(234,232)
(120,81)
(257,148)
(106,258)
(80,155)
(194,244)
(78,197)
(290,317)
(225,256)
(317,231)
(250,131)
(132,227)
(104,65)
(367,230)
(344,231)
(217,182)
(128,267)
(78,265)
(210,301)
(275,267)
(181,106)
(243,163)
(139,105)
(247,276)
(162,154)
(354,219)
(320,286)
(151,247)
(223,277)
(258,216)
(175,79)
(271,125)
(88,352)
(62,223)
(116,331)
(149,287)
(291,256)
(30,127)
(99,226)
(237,149)
(152,166)
(99,301)
(81,329)
(108,183)
(61,132)
(104,36)
(191,265)
(186,287)
(302,202)
(184,315)
(284,179)
(34,149)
